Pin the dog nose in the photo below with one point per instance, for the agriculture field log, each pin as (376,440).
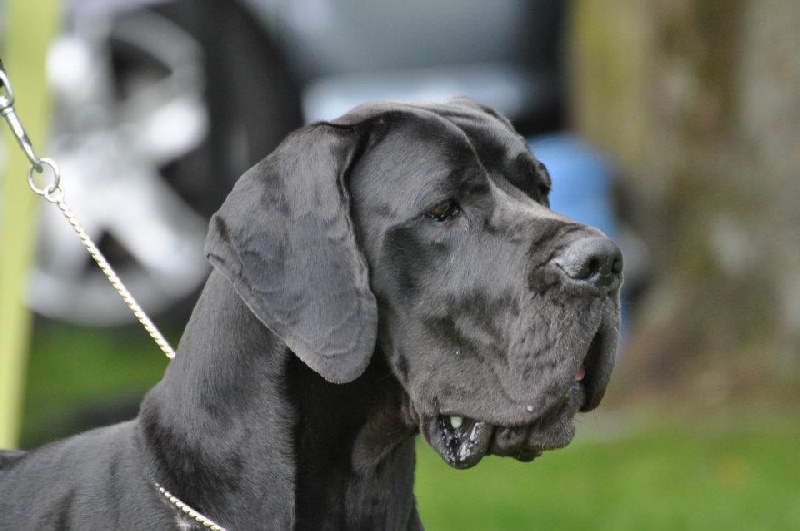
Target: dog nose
(593,260)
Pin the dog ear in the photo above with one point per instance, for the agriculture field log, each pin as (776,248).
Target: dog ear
(284,238)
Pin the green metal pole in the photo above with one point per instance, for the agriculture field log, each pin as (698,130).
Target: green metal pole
(30,28)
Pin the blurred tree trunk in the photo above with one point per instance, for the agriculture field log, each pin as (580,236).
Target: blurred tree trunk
(699,103)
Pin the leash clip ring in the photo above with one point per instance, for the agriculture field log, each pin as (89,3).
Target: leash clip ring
(51,192)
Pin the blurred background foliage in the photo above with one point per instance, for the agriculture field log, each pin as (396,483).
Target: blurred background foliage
(695,103)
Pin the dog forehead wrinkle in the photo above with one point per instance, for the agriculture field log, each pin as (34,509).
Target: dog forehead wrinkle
(507,158)
(516,202)
(489,138)
(494,141)
(409,167)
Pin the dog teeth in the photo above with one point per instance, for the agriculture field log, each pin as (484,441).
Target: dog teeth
(456,421)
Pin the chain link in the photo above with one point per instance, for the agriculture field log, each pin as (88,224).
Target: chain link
(56,197)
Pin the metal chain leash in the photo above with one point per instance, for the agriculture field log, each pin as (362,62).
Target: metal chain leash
(53,193)
(187,510)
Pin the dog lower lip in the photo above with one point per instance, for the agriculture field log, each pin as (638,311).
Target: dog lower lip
(460,441)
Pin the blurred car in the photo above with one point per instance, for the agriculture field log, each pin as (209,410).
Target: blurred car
(161,105)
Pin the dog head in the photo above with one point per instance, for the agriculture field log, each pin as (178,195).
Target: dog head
(423,232)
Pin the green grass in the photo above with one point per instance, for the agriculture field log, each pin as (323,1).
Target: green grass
(73,369)
(673,477)
(709,470)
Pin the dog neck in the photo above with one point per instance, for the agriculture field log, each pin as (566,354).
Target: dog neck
(240,429)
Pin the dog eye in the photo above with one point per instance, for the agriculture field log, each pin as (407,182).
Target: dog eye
(444,211)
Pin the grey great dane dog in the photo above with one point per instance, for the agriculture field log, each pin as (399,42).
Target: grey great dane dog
(395,271)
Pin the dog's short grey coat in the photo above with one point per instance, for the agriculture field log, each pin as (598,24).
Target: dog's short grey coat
(373,278)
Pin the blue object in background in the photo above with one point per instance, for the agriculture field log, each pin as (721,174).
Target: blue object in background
(581,181)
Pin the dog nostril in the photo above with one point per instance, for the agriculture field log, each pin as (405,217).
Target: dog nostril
(589,269)
(594,260)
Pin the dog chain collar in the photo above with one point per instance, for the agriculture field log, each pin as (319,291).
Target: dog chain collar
(187,510)
(53,193)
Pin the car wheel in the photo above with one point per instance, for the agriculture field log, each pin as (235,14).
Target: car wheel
(157,112)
